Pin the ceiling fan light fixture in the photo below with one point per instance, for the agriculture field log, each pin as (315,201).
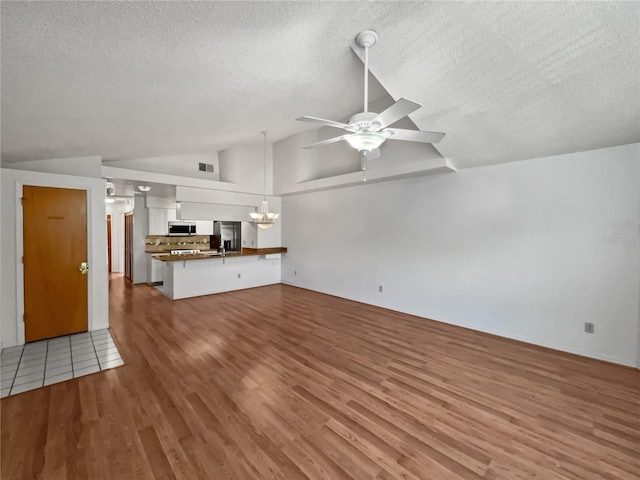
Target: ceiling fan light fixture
(365,141)
(368,130)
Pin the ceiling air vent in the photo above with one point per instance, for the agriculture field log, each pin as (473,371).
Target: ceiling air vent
(205,167)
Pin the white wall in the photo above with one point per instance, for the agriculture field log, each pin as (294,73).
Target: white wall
(12,295)
(182,165)
(140,232)
(244,165)
(529,250)
(90,166)
(637,240)
(167,179)
(1,261)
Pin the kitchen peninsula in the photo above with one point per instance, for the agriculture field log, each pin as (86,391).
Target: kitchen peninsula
(205,271)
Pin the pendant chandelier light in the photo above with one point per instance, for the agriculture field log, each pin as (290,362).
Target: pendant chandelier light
(264,219)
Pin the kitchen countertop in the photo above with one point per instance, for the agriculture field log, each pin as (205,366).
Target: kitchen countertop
(246,252)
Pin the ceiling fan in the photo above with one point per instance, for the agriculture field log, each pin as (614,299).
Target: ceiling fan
(368,130)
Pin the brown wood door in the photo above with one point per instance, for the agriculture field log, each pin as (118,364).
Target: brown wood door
(128,245)
(55,245)
(109,241)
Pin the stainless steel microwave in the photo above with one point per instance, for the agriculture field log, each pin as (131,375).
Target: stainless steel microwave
(182,228)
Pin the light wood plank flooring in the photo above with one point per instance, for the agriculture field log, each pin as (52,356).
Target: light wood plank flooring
(283,383)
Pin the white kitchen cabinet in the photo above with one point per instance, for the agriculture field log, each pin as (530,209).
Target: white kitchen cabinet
(159,219)
(204,227)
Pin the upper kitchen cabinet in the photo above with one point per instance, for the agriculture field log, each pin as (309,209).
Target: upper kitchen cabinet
(204,227)
(159,219)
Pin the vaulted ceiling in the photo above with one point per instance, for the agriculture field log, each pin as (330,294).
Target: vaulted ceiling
(505,80)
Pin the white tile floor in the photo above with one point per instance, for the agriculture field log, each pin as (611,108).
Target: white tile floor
(43,363)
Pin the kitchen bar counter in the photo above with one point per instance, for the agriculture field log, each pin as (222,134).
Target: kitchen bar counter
(184,278)
(209,254)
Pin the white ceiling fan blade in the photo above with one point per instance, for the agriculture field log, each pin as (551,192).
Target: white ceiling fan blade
(373,154)
(395,112)
(328,141)
(322,121)
(413,135)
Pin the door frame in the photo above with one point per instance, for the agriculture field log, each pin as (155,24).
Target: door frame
(97,283)
(128,241)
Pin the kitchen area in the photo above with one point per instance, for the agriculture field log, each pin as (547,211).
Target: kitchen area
(191,237)
(187,241)
(200,257)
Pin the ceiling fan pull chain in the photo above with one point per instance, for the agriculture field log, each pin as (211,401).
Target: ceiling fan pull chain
(363,166)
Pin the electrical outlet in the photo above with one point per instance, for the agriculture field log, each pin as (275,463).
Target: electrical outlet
(589,327)
(380,288)
(239,275)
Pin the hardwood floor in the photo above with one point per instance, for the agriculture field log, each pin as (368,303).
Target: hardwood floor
(283,383)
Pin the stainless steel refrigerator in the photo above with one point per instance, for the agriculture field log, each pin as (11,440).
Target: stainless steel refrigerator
(228,234)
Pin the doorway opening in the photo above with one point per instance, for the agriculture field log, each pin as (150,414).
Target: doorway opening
(116,219)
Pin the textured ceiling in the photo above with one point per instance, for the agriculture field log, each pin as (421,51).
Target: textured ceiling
(515,80)
(506,81)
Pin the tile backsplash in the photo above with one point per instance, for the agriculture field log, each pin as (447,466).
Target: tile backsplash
(163,243)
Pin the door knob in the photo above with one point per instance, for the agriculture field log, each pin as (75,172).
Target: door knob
(84,268)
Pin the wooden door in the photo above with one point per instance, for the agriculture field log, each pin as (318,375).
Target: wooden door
(109,241)
(55,246)
(128,246)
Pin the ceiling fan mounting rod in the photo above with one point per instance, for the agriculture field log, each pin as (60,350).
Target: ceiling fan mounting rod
(366,79)
(366,40)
